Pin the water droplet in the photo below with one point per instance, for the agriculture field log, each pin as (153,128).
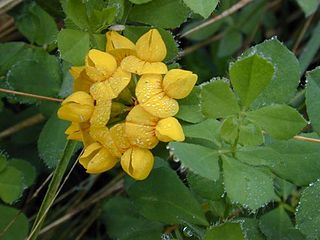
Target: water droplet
(187,232)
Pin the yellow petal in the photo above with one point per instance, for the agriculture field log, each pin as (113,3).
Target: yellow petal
(178,83)
(148,86)
(141,135)
(101,61)
(161,106)
(117,41)
(140,128)
(101,162)
(118,136)
(73,132)
(150,47)
(75,71)
(169,129)
(135,65)
(101,113)
(82,83)
(118,81)
(102,90)
(137,162)
(103,136)
(79,97)
(89,152)
(75,112)
(140,116)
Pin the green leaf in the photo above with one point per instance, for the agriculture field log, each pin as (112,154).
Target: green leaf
(37,25)
(160,13)
(218,100)
(312,93)
(40,76)
(207,130)
(140,1)
(298,162)
(52,141)
(253,188)
(280,121)
(124,222)
(226,231)
(76,11)
(308,211)
(258,156)
(27,170)
(135,32)
(250,229)
(18,230)
(250,135)
(200,160)
(230,129)
(202,7)
(189,107)
(73,45)
(11,53)
(3,162)
(310,50)
(230,43)
(309,7)
(276,224)
(163,197)
(11,184)
(287,73)
(250,76)
(208,189)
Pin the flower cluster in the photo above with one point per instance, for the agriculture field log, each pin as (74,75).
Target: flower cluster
(101,88)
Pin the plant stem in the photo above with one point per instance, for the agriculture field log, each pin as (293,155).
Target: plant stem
(52,189)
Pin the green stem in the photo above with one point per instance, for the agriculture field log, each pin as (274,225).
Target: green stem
(52,189)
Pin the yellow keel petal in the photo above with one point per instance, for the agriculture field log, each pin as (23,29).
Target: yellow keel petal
(137,162)
(169,129)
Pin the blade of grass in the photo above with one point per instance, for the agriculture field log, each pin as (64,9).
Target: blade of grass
(52,189)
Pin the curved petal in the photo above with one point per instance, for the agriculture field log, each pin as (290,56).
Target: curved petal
(117,41)
(103,136)
(137,162)
(89,153)
(141,135)
(169,129)
(151,47)
(103,62)
(148,86)
(178,83)
(73,132)
(119,46)
(135,65)
(75,112)
(120,139)
(161,106)
(79,97)
(101,113)
(102,91)
(101,162)
(140,116)
(118,81)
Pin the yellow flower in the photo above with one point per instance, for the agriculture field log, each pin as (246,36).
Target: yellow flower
(77,108)
(151,51)
(137,162)
(97,159)
(79,132)
(81,81)
(145,130)
(169,129)
(119,46)
(157,95)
